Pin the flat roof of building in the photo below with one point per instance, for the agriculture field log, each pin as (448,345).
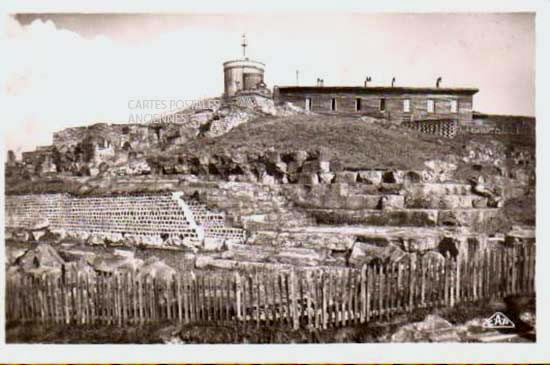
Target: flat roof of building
(243,60)
(378,89)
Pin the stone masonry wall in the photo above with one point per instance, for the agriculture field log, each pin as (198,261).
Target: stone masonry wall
(443,128)
(145,215)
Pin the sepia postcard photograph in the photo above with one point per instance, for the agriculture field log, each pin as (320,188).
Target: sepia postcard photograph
(216,178)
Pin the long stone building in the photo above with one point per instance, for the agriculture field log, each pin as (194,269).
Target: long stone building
(405,104)
(396,103)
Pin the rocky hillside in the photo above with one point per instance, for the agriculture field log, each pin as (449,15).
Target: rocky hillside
(343,187)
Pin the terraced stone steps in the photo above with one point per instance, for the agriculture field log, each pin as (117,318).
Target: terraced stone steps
(267,253)
(250,206)
(404,217)
(342,238)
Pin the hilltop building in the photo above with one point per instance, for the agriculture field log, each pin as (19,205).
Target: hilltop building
(406,104)
(388,102)
(244,76)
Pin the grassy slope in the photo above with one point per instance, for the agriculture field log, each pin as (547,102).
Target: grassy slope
(357,143)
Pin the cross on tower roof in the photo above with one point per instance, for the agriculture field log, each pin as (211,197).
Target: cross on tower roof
(244,45)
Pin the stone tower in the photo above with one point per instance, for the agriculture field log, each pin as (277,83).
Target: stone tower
(242,74)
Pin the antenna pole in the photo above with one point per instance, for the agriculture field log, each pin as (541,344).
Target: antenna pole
(297,77)
(244,45)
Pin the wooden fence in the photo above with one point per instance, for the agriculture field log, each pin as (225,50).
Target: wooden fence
(295,299)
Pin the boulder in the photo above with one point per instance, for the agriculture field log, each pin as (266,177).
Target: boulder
(480,187)
(12,254)
(459,217)
(439,170)
(82,267)
(273,157)
(56,235)
(267,179)
(315,166)
(123,252)
(331,241)
(202,262)
(80,236)
(419,245)
(96,239)
(293,167)
(154,268)
(326,177)
(38,234)
(529,318)
(495,202)
(480,203)
(364,253)
(43,255)
(212,244)
(432,329)
(432,257)
(22,235)
(152,240)
(454,202)
(348,177)
(369,177)
(227,255)
(113,238)
(308,179)
(300,157)
(280,168)
(300,256)
(116,263)
(433,322)
(175,241)
(391,202)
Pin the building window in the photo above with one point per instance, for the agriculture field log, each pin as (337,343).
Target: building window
(454,106)
(357,104)
(407,105)
(382,105)
(431,106)
(308,104)
(333,105)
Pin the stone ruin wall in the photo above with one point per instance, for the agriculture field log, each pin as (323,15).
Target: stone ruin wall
(442,128)
(154,215)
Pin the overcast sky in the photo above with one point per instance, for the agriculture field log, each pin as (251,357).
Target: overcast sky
(71,69)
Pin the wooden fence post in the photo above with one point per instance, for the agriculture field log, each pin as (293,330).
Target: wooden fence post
(370,286)
(446,278)
(514,269)
(458,279)
(258,295)
(363,293)
(423,273)
(282,307)
(397,287)
(324,309)
(238,293)
(66,296)
(381,292)
(475,274)
(412,281)
(293,301)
